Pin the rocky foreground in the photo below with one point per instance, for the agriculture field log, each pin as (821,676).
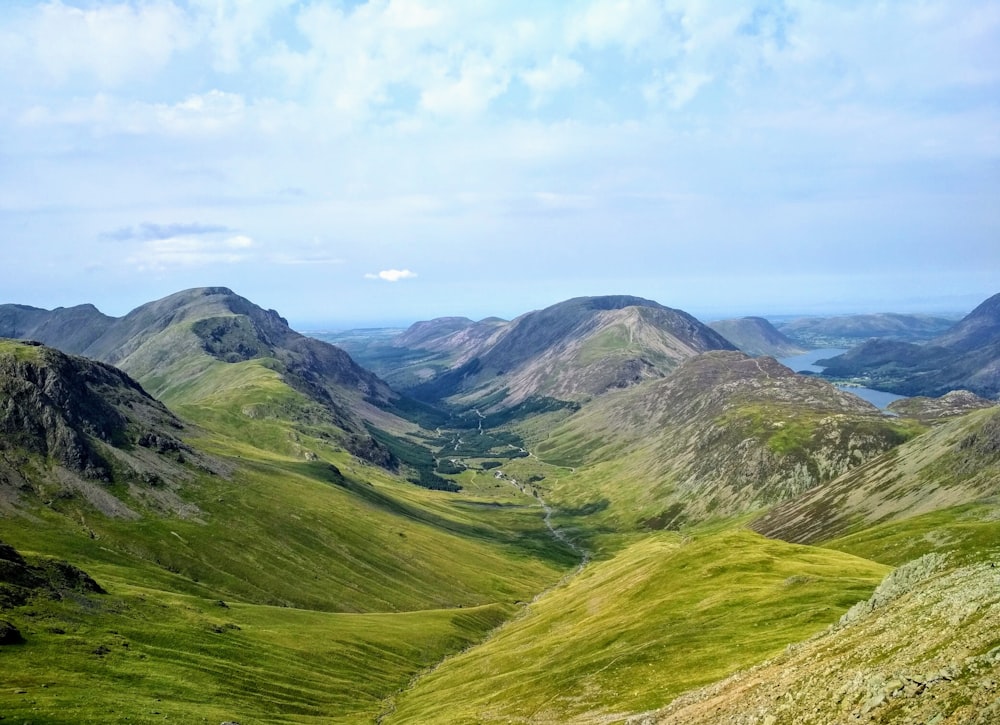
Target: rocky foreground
(925,648)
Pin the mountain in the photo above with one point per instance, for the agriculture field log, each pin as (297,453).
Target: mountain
(175,347)
(756,336)
(75,328)
(967,357)
(573,351)
(724,433)
(850,330)
(955,463)
(95,426)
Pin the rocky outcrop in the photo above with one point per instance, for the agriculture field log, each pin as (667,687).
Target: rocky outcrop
(923,649)
(949,405)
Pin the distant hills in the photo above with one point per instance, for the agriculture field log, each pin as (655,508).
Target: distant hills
(756,336)
(571,351)
(966,356)
(851,330)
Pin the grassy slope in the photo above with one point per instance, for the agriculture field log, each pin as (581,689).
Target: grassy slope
(147,656)
(432,573)
(632,632)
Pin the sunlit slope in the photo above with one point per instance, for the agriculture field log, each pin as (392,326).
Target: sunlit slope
(721,435)
(924,649)
(956,463)
(630,633)
(277,519)
(143,655)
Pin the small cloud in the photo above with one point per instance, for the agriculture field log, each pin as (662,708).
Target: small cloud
(392,275)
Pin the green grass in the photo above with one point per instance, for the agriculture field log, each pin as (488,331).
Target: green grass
(630,633)
(970,533)
(147,656)
(342,583)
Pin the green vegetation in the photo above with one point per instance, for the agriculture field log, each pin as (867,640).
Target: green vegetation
(969,533)
(145,656)
(665,614)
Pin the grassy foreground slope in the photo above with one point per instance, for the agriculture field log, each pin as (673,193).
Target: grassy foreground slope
(630,633)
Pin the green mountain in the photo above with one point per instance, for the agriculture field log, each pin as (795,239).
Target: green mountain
(953,464)
(966,357)
(723,434)
(756,336)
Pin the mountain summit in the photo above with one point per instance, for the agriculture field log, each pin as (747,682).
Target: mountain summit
(575,350)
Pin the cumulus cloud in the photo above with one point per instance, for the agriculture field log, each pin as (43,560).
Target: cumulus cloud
(392,275)
(112,43)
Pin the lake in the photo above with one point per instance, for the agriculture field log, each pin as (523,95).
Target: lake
(806,363)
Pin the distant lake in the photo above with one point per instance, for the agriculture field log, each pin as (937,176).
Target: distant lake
(806,363)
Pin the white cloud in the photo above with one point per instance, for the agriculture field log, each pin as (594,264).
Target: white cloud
(191,251)
(392,275)
(558,73)
(114,43)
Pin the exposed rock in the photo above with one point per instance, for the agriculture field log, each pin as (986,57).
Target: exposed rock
(9,634)
(912,656)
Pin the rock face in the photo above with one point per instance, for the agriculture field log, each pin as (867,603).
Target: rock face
(70,426)
(922,649)
(59,407)
(21,579)
(756,336)
(965,357)
(573,351)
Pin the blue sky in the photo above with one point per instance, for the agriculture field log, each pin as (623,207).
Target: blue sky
(365,162)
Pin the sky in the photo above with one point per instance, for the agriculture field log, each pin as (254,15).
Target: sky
(366,163)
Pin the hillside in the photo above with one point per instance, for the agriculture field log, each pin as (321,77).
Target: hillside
(870,667)
(573,351)
(723,434)
(180,347)
(75,428)
(756,336)
(236,556)
(955,463)
(967,357)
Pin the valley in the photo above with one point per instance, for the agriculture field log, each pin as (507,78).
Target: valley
(598,512)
